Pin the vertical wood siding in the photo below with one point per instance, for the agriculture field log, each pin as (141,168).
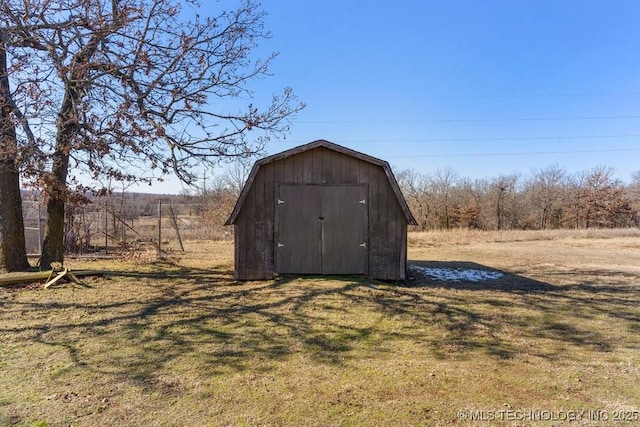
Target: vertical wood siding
(254,229)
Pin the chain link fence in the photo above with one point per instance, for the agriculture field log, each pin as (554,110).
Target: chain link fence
(114,226)
(34,223)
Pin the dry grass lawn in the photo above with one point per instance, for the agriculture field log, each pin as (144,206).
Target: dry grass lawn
(181,343)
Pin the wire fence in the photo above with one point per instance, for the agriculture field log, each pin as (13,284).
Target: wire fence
(109,227)
(33,226)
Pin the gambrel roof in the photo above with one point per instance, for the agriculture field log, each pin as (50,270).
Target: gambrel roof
(331,146)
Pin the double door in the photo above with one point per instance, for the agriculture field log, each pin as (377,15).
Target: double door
(321,229)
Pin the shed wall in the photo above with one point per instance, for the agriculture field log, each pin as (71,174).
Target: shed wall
(254,229)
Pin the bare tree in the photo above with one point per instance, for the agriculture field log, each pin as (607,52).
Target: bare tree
(414,187)
(125,89)
(634,187)
(503,195)
(442,183)
(603,200)
(466,201)
(221,197)
(13,255)
(633,191)
(236,176)
(544,193)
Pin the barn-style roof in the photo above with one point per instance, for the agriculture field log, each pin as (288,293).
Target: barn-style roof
(331,146)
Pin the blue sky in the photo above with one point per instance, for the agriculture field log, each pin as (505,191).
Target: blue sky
(483,86)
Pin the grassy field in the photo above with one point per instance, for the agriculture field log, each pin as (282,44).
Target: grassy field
(181,343)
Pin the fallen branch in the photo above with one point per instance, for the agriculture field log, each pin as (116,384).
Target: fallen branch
(41,276)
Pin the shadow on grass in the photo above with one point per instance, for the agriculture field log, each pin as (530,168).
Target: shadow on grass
(204,322)
(559,314)
(506,283)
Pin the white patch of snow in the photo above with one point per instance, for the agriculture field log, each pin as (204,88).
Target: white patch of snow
(456,274)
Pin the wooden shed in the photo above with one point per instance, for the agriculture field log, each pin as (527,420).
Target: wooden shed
(321,208)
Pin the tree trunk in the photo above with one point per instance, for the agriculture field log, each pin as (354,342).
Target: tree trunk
(53,243)
(499,211)
(13,254)
(56,189)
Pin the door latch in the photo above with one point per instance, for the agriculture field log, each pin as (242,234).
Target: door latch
(280,245)
(363,245)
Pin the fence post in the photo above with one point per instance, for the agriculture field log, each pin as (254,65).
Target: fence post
(106,229)
(159,229)
(175,225)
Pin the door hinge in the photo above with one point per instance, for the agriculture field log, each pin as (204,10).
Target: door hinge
(363,245)
(280,245)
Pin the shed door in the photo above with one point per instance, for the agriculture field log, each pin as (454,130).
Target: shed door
(321,229)
(298,247)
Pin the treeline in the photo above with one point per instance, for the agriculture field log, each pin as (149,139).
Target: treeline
(549,198)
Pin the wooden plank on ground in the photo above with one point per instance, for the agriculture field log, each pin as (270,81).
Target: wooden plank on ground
(60,275)
(39,276)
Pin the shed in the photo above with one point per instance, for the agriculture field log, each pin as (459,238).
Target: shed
(321,208)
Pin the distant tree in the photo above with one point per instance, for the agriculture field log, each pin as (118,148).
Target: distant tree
(127,89)
(633,191)
(13,255)
(442,184)
(236,175)
(634,187)
(600,200)
(221,196)
(414,187)
(466,210)
(544,191)
(503,196)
